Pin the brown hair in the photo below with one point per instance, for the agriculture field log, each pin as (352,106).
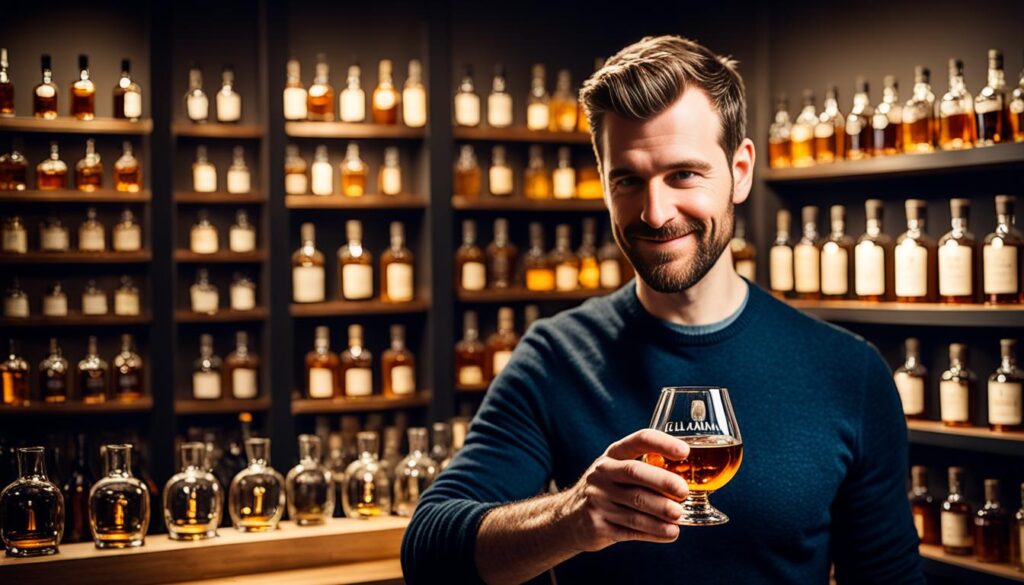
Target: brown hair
(645,78)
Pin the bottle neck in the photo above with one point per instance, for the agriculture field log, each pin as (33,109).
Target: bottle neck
(1004,220)
(915,226)
(959,224)
(119,460)
(996,78)
(874,227)
(32,462)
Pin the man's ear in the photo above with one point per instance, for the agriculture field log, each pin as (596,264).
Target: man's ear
(743,171)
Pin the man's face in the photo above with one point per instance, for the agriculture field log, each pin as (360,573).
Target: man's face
(670,191)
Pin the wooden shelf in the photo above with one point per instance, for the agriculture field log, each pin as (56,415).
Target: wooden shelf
(71,196)
(515,203)
(355,308)
(222,257)
(144,404)
(472,388)
(366,404)
(222,406)
(351,130)
(364,202)
(221,316)
(68,125)
(77,320)
(220,198)
(512,295)
(936,314)
(934,553)
(934,433)
(75,257)
(519,135)
(382,572)
(217,130)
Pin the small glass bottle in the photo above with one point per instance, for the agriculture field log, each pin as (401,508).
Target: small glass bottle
(499,101)
(540,275)
(956,390)
(743,251)
(13,169)
(31,509)
(16,302)
(229,101)
(1004,390)
(319,100)
(836,256)
(830,131)
(202,238)
(499,175)
(887,136)
(353,172)
(353,98)
(992,527)
(322,367)
(241,370)
(89,170)
(562,106)
(127,235)
(858,124)
(460,426)
(193,498)
(356,371)
(537,179)
(1003,257)
(204,174)
(119,503)
(565,263)
(956,252)
(470,353)
(94,299)
(52,172)
(397,283)
(991,106)
(129,379)
(780,147)
(910,379)
(398,366)
(53,236)
(806,257)
(392,455)
(15,236)
(467,102)
(239,178)
(14,372)
(126,298)
(256,498)
(322,173)
(197,103)
(924,507)
(414,97)
(54,376)
(389,179)
(93,375)
(309,485)
(91,235)
(873,270)
(538,111)
(563,178)
(308,272)
(203,296)
(55,302)
(470,271)
(956,112)
(242,293)
(440,441)
(356,265)
(295,96)
(915,257)
(6,87)
(500,344)
(384,102)
(206,371)
(414,474)
(83,92)
(501,258)
(467,173)
(955,519)
(802,133)
(242,235)
(296,181)
(127,171)
(127,95)
(367,489)
(919,122)
(44,95)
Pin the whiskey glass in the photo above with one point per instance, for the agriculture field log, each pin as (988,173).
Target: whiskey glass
(413,474)
(310,490)
(193,499)
(703,417)
(31,509)
(367,489)
(256,498)
(119,503)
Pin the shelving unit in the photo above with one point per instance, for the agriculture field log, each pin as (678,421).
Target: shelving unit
(70,196)
(78,320)
(221,316)
(919,314)
(965,567)
(519,134)
(221,406)
(491,203)
(217,130)
(76,257)
(220,198)
(355,405)
(348,130)
(354,308)
(68,125)
(220,257)
(365,202)
(144,404)
(522,295)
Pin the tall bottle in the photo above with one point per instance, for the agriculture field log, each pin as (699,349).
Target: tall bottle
(197,103)
(836,253)
(956,390)
(955,519)
(1017,110)
(500,344)
(563,178)
(830,132)
(355,272)
(468,177)
(353,98)
(414,97)
(499,176)
(89,170)
(320,97)
(93,375)
(540,275)
(367,488)
(44,95)
(873,257)
(308,272)
(193,499)
(309,490)
(470,353)
(467,101)
(206,371)
(956,257)
(52,172)
(91,235)
(915,258)
(296,179)
(239,178)
(910,379)
(1004,390)
(229,101)
(204,174)
(590,268)
(127,95)
(887,138)
(6,87)
(127,170)
(780,257)
(563,104)
(353,172)
(564,262)
(924,507)
(295,96)
(76,495)
(322,368)
(802,133)
(389,178)
(385,99)
(14,372)
(992,527)
(919,123)
(129,381)
(54,375)
(119,503)
(1003,257)
(538,112)
(858,123)
(1017,534)
(536,178)
(992,105)
(397,284)
(414,474)
(470,270)
(321,173)
(256,498)
(807,257)
(780,146)
(241,370)
(398,366)
(31,509)
(356,371)
(956,112)
(83,92)
(499,101)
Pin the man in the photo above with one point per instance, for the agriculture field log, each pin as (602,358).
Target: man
(825,449)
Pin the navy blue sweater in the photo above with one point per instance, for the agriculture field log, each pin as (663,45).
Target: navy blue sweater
(824,460)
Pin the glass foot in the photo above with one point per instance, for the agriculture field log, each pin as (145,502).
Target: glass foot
(698,511)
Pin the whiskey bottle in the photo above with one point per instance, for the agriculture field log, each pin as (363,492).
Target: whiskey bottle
(83,92)
(203,238)
(538,112)
(197,103)
(1017,110)
(44,95)
(353,172)
(129,382)
(499,101)
(127,95)
(295,96)
(93,375)
(858,124)
(14,372)
(563,104)
(239,178)
(588,182)
(242,234)
(126,298)
(992,527)
(806,257)
(919,123)
(1003,256)
(127,235)
(6,87)
(322,368)
(500,344)
(241,370)
(414,97)
(499,175)
(204,174)
(31,509)
(15,302)
(89,170)
(366,491)
(563,178)
(590,268)
(91,235)
(75,490)
(743,252)
(309,485)
(204,296)
(127,171)
(356,365)
(13,169)
(873,264)
(356,265)
(1017,535)
(385,100)
(15,236)
(780,257)
(353,98)
(397,284)
(910,381)
(308,273)
(54,376)
(956,389)
(955,519)
(440,441)
(398,366)
(389,178)
(53,236)
(470,353)
(887,119)
(256,498)
(467,102)
(296,182)
(915,258)
(565,263)
(318,103)
(322,173)
(460,427)
(467,173)
(802,133)
(956,252)
(393,437)
(119,503)
(193,499)
(55,302)
(829,132)
(530,315)
(924,507)
(470,270)
(52,173)
(780,145)
(540,275)
(956,112)
(1004,390)
(992,106)
(229,102)
(94,299)
(414,474)
(537,179)
(206,371)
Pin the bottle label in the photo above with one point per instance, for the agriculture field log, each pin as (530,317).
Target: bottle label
(1000,263)
(204,178)
(824,130)
(357,282)
(294,103)
(955,270)
(911,270)
(540,279)
(16,307)
(1017,107)
(203,240)
(611,274)
(384,100)
(243,383)
(471,375)
(132,105)
(500,180)
(500,360)
(911,389)
(390,180)
(869,269)
(55,240)
(94,304)
(780,260)
(590,273)
(919,525)
(198,108)
(239,181)
(473,276)
(128,383)
(308,284)
(403,380)
(128,239)
(358,382)
(467,109)
(205,301)
(1004,403)
(807,267)
(564,183)
(242,240)
(746,269)
(243,298)
(414,107)
(538,116)
(126,303)
(46,91)
(205,386)
(353,105)
(955,530)
(16,241)
(55,305)
(91,239)
(953,401)
(229,107)
(399,277)
(834,269)
(991,105)
(323,178)
(321,383)
(297,183)
(499,110)
(567,277)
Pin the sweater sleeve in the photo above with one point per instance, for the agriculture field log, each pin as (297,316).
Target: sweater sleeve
(873,534)
(506,457)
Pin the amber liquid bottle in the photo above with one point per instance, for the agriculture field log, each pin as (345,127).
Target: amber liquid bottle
(829,133)
(320,100)
(911,379)
(991,106)
(356,372)
(501,257)
(924,507)
(500,344)
(590,267)
(957,257)
(468,176)
(127,172)
(470,353)
(873,262)
(353,173)
(1017,535)
(540,275)
(89,170)
(398,366)
(858,124)
(919,124)
(52,173)
(992,527)
(93,376)
(470,270)
(807,257)
(6,87)
(355,265)
(915,258)
(537,180)
(837,258)
(955,518)
(54,376)
(44,95)
(129,382)
(83,92)
(779,136)
(322,367)
(1003,257)
(14,372)
(384,103)
(886,122)
(956,112)
(956,390)
(397,284)
(564,262)
(241,370)
(1004,391)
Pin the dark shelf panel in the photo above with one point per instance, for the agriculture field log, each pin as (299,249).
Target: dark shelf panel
(351,130)
(934,433)
(515,203)
(966,567)
(364,202)
(77,320)
(71,196)
(364,404)
(221,316)
(140,257)
(222,257)
(217,130)
(511,295)
(519,135)
(472,388)
(68,125)
(354,308)
(220,197)
(144,404)
(221,406)
(937,314)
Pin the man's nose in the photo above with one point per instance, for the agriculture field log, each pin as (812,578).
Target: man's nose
(658,207)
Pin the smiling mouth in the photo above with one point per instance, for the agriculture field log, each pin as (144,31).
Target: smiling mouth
(656,241)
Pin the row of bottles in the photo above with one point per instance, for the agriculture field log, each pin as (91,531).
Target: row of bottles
(319,177)
(479,362)
(91,381)
(127,93)
(204,296)
(204,173)
(913,268)
(350,374)
(539,182)
(921,124)
(992,533)
(54,304)
(54,236)
(958,387)
(499,265)
(236,376)
(204,238)
(52,173)
(317,103)
(227,100)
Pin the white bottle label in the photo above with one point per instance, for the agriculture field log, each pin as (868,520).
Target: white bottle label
(500,180)
(611,274)
(566,277)
(358,382)
(239,181)
(229,107)
(243,298)
(243,383)
(834,269)
(384,100)
(474,276)
(911,270)
(802,133)
(132,105)
(353,105)
(242,240)
(296,183)
(204,178)
(746,269)
(911,389)
(824,130)
(55,305)
(126,303)
(16,308)
(323,178)
(414,107)
(956,273)
(92,240)
(470,375)
(55,240)
(564,183)
(1000,264)
(780,261)
(308,284)
(94,304)
(403,380)
(391,181)
(467,109)
(399,277)
(357,282)
(499,110)
(1004,403)
(294,103)
(953,401)
(198,108)
(205,301)
(538,116)
(205,386)
(955,530)
(321,383)
(203,240)
(128,239)
(807,268)
(16,241)
(869,269)
(500,360)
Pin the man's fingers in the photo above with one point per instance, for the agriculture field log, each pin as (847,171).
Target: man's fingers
(632,525)
(646,501)
(638,473)
(649,441)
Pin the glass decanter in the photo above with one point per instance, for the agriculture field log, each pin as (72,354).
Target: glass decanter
(367,490)
(256,498)
(119,503)
(193,499)
(310,491)
(414,473)
(31,509)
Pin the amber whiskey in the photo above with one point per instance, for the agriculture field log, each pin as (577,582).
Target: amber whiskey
(887,119)
(499,101)
(32,508)
(500,344)
(743,252)
(992,527)
(910,379)
(89,170)
(467,102)
(128,382)
(127,171)
(356,370)
(389,178)
(398,366)
(924,507)
(52,172)
(807,257)
(540,275)
(308,269)
(991,106)
(13,169)
(396,269)
(295,98)
(956,112)
(780,151)
(197,103)
(385,101)
(590,267)
(119,503)
(565,263)
(499,175)
(229,101)
(1002,257)
(873,264)
(802,134)
(563,178)
(353,172)
(955,519)
(858,124)
(956,253)
(919,123)
(915,258)
(538,111)
(44,95)
(563,109)
(320,101)
(537,179)
(6,87)
(83,92)
(353,98)
(127,95)
(54,376)
(470,270)
(296,182)
(713,462)
(14,372)
(470,353)
(322,368)
(414,97)
(829,132)
(1004,390)
(588,182)
(355,263)
(241,370)
(956,390)
(1017,110)
(468,177)
(780,257)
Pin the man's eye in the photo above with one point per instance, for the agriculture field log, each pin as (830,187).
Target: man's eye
(627,182)
(681,175)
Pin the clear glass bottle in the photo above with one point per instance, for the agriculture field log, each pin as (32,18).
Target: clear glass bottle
(956,112)
(129,379)
(836,256)
(229,101)
(44,95)
(54,376)
(319,100)
(385,101)
(414,473)
(197,103)
(55,302)
(203,296)
(391,457)
(31,509)
(398,366)
(94,299)
(93,375)
(321,173)
(294,96)
(353,98)
(858,124)
(309,485)
(242,234)
(355,263)
(565,263)
(468,177)
(499,175)
(501,259)
(924,507)
(389,178)
(16,302)
(83,92)
(356,370)
(1004,390)
(915,258)
(119,503)
(203,238)
(309,283)
(397,282)
(367,489)
(501,343)
(296,181)
(241,370)
(919,123)
(193,498)
(239,178)
(802,133)
(780,145)
(743,251)
(52,172)
(414,97)
(563,178)
(540,275)
(127,171)
(256,498)
(956,252)
(53,236)
(538,111)
(460,427)
(13,169)
(562,107)
(322,368)
(206,372)
(14,372)
(956,389)
(499,101)
(204,174)
(992,527)
(991,106)
(6,87)
(15,236)
(440,441)
(873,270)
(537,180)
(126,298)
(1003,257)
(887,138)
(955,518)
(127,235)
(242,295)
(467,102)
(807,257)
(91,235)
(470,353)
(910,379)
(89,170)
(353,172)
(470,270)
(127,95)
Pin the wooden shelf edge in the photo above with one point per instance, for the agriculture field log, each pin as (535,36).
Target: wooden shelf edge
(368,404)
(220,406)
(189,257)
(515,295)
(355,203)
(144,404)
(893,313)
(219,197)
(348,308)
(77,258)
(351,130)
(974,439)
(519,134)
(71,196)
(1005,570)
(68,125)
(471,388)
(216,130)
(78,320)
(519,203)
(221,316)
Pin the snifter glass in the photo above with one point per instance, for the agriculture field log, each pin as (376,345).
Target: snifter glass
(702,416)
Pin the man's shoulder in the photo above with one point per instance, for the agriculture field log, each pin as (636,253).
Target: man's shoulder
(803,328)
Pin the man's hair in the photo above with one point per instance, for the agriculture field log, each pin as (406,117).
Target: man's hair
(645,78)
